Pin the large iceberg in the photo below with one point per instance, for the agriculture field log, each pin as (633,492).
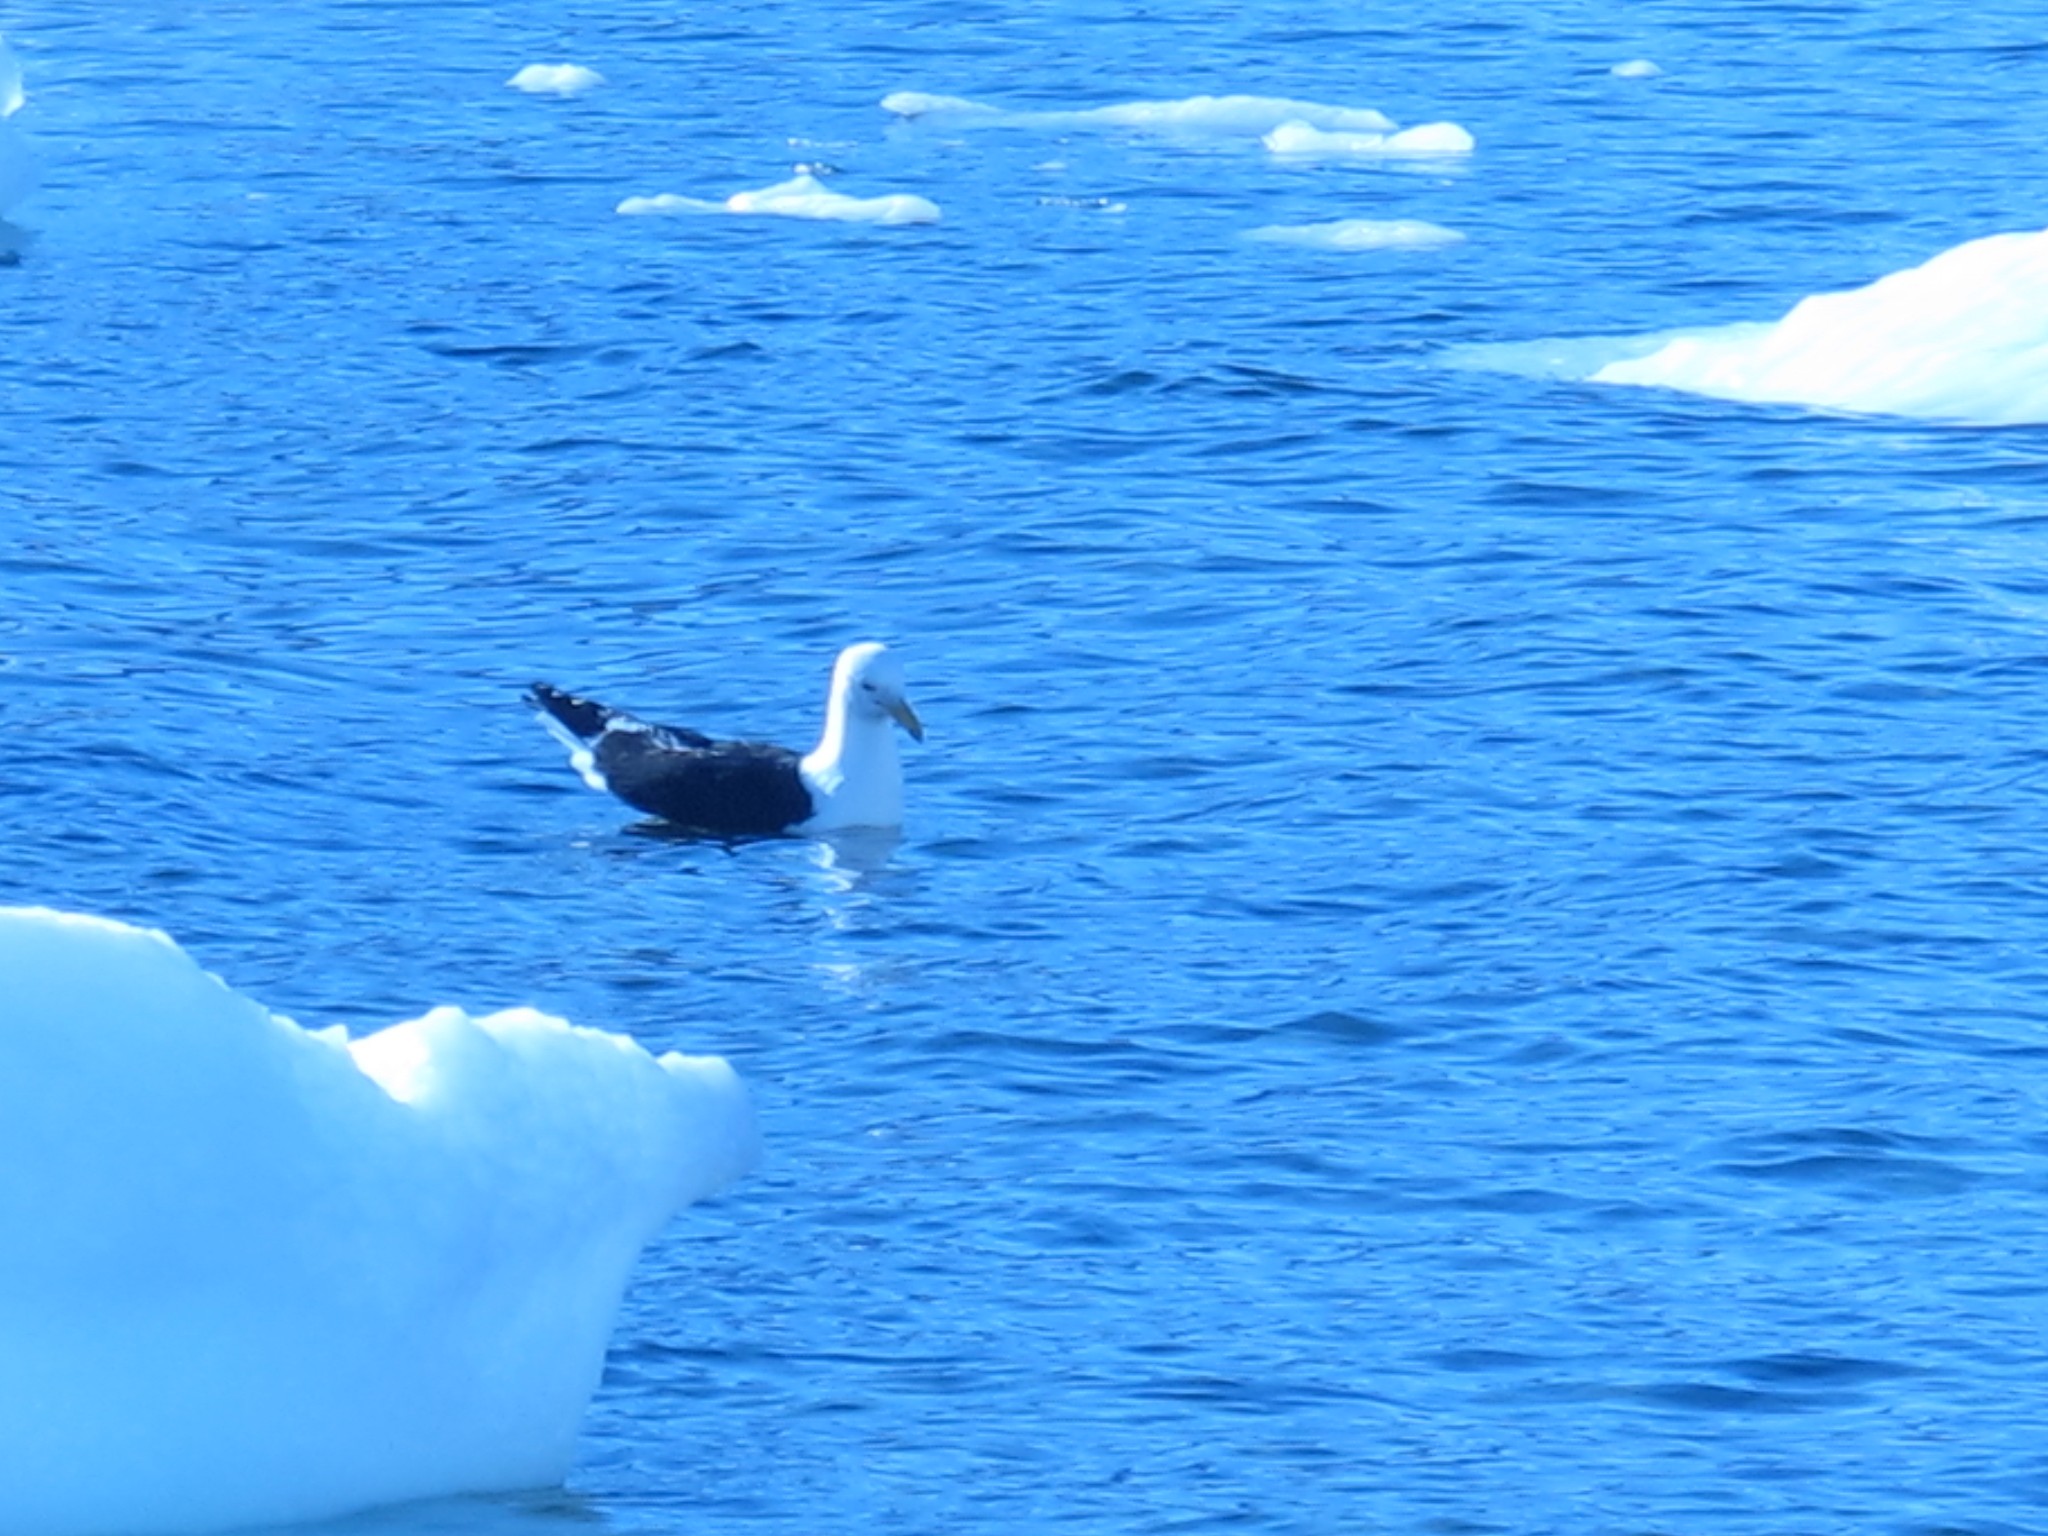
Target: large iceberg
(1961,338)
(255,1273)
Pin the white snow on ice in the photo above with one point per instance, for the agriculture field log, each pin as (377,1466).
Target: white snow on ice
(1961,338)
(1254,117)
(556,79)
(258,1274)
(1359,235)
(803,196)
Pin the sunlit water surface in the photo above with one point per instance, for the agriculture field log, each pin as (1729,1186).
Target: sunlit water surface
(1468,953)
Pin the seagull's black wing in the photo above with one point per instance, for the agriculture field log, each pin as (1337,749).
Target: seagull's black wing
(729,788)
(725,788)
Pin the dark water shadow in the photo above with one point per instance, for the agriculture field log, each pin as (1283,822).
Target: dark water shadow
(539,1512)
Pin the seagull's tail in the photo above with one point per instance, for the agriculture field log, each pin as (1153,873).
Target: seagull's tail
(584,719)
(575,723)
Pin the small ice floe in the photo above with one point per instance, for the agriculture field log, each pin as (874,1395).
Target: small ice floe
(1636,69)
(803,196)
(1192,116)
(260,1274)
(1961,338)
(1305,140)
(1360,235)
(555,79)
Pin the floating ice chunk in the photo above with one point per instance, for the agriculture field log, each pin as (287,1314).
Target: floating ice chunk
(921,104)
(1243,115)
(805,197)
(555,79)
(1360,235)
(1961,338)
(1304,138)
(1222,116)
(801,197)
(17,164)
(11,96)
(1636,69)
(255,1273)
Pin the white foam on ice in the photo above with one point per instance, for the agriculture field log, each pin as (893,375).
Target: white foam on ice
(1961,338)
(1216,116)
(803,196)
(1306,140)
(255,1273)
(1359,235)
(556,79)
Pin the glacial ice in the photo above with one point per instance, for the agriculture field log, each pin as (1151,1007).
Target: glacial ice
(1961,338)
(256,1273)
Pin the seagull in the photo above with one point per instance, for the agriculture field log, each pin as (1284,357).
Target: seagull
(851,778)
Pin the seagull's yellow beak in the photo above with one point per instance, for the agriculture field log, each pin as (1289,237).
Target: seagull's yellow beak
(901,712)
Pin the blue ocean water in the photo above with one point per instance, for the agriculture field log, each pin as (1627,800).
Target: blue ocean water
(1467,955)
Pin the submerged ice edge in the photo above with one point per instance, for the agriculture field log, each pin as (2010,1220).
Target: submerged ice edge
(1960,339)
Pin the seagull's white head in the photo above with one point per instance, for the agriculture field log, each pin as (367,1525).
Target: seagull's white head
(870,679)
